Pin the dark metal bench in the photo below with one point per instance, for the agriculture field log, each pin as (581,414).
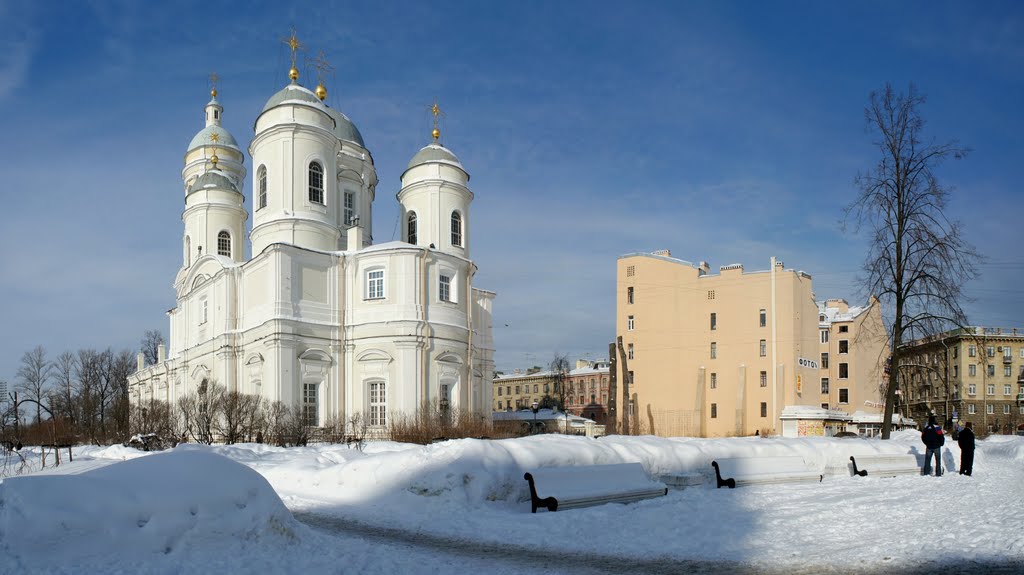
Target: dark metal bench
(568,487)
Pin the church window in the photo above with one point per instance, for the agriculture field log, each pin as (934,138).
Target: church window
(188,251)
(350,208)
(375,284)
(378,403)
(456,229)
(411,228)
(224,244)
(445,288)
(261,177)
(316,183)
(309,405)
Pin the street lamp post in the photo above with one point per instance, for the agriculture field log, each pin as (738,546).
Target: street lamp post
(535,407)
(444,414)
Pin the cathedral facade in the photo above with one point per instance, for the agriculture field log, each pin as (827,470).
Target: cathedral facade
(319,316)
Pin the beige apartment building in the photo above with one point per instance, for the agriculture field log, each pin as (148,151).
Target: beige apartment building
(519,390)
(725,354)
(854,348)
(970,374)
(586,389)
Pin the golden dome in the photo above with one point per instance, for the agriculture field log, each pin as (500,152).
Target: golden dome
(321,92)
(436,133)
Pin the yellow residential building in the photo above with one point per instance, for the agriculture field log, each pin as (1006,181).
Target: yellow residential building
(724,354)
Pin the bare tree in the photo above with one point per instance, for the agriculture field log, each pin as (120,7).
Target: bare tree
(201,411)
(63,397)
(34,375)
(918,260)
(150,344)
(560,378)
(239,412)
(88,376)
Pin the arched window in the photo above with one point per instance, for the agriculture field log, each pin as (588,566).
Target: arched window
(316,183)
(261,178)
(411,228)
(456,229)
(188,251)
(224,244)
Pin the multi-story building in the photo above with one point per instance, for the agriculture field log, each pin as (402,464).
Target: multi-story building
(519,390)
(853,353)
(970,374)
(721,355)
(587,391)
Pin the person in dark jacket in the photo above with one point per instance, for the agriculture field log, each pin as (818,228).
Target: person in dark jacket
(933,440)
(966,442)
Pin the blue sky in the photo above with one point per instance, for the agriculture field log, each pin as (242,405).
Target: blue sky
(723,131)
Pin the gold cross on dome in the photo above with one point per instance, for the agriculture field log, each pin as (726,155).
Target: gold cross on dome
(322,66)
(436,111)
(294,44)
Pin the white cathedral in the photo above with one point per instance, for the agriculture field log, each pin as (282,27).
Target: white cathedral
(319,316)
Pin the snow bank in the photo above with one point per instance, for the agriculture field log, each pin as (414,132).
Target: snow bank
(163,504)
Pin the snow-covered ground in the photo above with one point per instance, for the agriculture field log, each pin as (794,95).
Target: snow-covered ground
(463,506)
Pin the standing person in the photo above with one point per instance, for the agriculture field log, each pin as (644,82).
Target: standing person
(933,440)
(966,442)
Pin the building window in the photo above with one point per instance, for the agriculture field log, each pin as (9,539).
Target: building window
(630,323)
(764,379)
(309,405)
(714,350)
(824,361)
(350,208)
(763,317)
(536,388)
(824,386)
(378,404)
(970,409)
(517,390)
(629,295)
(714,321)
(990,351)
(1022,410)
(714,381)
(844,346)
(972,389)
(991,389)
(972,370)
(972,351)
(499,390)
(990,409)
(824,406)
(764,409)
(844,395)
(444,288)
(1007,370)
(630,271)
(547,388)
(1007,353)
(224,244)
(844,370)
(375,284)
(956,352)
(206,309)
(711,294)
(1006,409)
(956,371)
(629,351)
(991,371)
(1006,390)
(714,410)
(410,228)
(824,336)
(844,329)
(764,348)
(316,183)
(261,178)
(456,229)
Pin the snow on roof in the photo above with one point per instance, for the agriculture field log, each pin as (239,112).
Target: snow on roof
(833,314)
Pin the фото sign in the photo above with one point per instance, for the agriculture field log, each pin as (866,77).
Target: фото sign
(809,363)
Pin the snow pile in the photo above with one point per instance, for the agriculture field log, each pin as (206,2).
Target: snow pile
(167,503)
